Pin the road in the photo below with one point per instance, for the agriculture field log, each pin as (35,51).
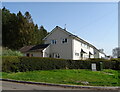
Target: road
(21,86)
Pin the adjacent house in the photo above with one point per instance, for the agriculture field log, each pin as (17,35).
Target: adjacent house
(60,43)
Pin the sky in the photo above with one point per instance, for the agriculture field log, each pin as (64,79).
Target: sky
(95,22)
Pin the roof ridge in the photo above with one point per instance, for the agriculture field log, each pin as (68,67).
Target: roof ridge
(74,36)
(77,37)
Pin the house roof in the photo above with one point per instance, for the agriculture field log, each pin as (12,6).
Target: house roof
(26,48)
(70,35)
(38,47)
(73,36)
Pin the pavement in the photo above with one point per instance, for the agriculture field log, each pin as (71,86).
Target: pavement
(8,84)
(22,86)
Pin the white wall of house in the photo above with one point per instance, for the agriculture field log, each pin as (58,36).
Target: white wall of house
(92,51)
(46,52)
(37,54)
(69,50)
(63,50)
(101,55)
(77,46)
(96,53)
(34,54)
(76,49)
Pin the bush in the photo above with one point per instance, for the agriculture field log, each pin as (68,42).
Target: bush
(10,63)
(22,64)
(9,52)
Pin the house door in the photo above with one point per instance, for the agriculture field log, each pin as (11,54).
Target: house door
(29,55)
(81,54)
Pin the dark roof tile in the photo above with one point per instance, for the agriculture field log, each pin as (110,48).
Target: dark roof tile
(25,48)
(38,47)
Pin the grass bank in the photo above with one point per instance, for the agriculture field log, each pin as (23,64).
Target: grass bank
(106,77)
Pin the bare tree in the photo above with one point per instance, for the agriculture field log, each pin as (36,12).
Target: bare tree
(116,52)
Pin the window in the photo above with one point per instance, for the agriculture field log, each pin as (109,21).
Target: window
(85,46)
(95,52)
(28,55)
(31,55)
(81,44)
(56,55)
(76,54)
(88,47)
(53,42)
(64,40)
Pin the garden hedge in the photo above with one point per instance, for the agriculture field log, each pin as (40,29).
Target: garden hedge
(22,64)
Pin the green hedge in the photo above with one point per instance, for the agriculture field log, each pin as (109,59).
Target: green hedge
(10,63)
(22,64)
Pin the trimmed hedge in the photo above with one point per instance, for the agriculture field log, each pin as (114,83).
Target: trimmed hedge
(22,64)
(10,63)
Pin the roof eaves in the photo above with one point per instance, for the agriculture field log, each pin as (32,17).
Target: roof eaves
(71,35)
(26,48)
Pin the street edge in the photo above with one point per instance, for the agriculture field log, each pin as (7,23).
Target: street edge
(63,85)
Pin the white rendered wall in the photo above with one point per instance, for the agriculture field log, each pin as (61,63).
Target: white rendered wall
(63,49)
(35,54)
(77,49)
(46,52)
(101,55)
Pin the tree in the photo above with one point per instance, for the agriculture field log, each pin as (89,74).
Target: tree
(42,34)
(19,30)
(28,17)
(116,52)
(9,26)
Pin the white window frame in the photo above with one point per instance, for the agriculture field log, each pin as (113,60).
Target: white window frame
(76,54)
(63,40)
(88,47)
(56,55)
(53,41)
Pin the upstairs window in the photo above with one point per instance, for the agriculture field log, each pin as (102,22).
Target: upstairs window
(88,47)
(53,42)
(64,40)
(85,46)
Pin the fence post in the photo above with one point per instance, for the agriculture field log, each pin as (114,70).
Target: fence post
(101,66)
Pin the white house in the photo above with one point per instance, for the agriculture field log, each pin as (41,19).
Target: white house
(60,43)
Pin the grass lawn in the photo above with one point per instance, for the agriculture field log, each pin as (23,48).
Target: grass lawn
(106,77)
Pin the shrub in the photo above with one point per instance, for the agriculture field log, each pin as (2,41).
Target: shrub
(10,63)
(22,64)
(9,52)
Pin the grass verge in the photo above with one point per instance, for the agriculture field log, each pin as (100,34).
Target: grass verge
(106,77)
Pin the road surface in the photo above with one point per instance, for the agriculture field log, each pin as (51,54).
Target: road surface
(21,86)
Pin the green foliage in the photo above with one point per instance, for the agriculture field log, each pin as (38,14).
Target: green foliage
(39,63)
(71,76)
(19,30)
(10,63)
(9,52)
(41,34)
